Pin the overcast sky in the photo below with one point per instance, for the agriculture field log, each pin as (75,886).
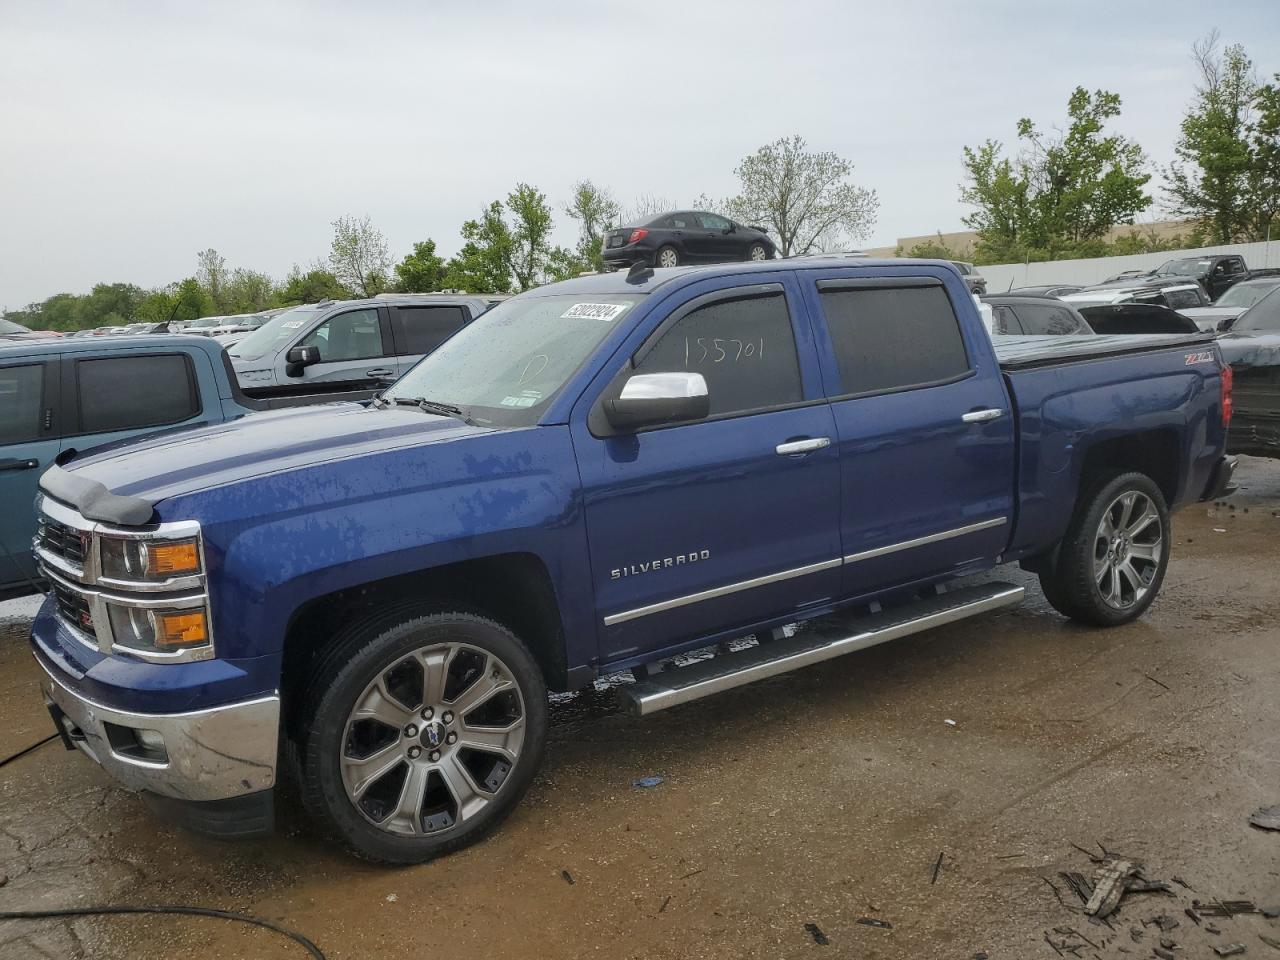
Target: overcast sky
(134,135)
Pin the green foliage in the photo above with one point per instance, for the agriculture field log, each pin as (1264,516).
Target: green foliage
(1062,194)
(933,250)
(247,291)
(311,286)
(1264,165)
(596,210)
(802,197)
(482,265)
(211,274)
(359,257)
(422,271)
(509,246)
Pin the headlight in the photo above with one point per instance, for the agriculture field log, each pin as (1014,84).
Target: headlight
(152,560)
(158,630)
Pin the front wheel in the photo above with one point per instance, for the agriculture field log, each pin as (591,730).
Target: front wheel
(1113,559)
(421,736)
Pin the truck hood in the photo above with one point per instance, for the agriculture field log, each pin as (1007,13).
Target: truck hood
(157,468)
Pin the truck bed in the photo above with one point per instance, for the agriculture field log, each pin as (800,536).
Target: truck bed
(1020,353)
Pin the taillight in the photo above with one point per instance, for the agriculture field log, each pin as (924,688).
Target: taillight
(1227,378)
(637,236)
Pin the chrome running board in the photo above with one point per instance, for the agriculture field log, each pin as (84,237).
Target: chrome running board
(818,640)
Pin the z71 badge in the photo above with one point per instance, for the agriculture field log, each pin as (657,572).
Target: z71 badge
(1204,356)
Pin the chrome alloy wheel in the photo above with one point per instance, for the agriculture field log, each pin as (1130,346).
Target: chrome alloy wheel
(667,257)
(1128,549)
(432,739)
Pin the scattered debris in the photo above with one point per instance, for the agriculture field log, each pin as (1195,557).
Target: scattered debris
(693,873)
(1077,882)
(1011,856)
(1164,953)
(1135,934)
(1212,928)
(1182,883)
(4,878)
(1167,943)
(647,782)
(1164,922)
(1271,942)
(1157,682)
(392,898)
(819,937)
(1268,818)
(1224,908)
(1270,912)
(1108,887)
(1192,916)
(1230,950)
(664,903)
(1219,529)
(870,922)
(950,723)
(936,867)
(980,955)
(568,877)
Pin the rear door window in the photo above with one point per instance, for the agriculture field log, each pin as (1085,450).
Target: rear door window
(892,338)
(712,222)
(126,393)
(419,330)
(21,402)
(744,348)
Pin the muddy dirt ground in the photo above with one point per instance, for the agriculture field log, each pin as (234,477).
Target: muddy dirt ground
(821,797)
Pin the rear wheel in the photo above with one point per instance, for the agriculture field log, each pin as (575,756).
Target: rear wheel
(1113,559)
(421,736)
(758,251)
(668,257)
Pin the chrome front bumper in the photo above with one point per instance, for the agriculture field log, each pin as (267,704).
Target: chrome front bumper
(213,754)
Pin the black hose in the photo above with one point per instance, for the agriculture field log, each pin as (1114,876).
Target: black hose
(296,937)
(25,750)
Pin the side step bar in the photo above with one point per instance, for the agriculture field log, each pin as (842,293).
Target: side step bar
(817,641)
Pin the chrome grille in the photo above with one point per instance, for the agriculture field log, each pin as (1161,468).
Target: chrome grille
(62,541)
(74,609)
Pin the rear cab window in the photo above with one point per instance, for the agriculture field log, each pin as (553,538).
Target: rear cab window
(419,329)
(889,338)
(127,393)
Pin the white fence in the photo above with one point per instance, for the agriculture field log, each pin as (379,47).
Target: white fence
(1001,277)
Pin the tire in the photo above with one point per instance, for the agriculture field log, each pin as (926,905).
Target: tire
(667,256)
(1113,558)
(758,251)
(437,780)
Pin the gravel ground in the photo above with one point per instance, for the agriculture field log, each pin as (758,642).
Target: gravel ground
(823,797)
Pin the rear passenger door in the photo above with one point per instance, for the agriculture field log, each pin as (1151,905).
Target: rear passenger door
(28,444)
(924,432)
(419,328)
(116,397)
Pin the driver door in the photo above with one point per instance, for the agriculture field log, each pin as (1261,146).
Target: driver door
(699,527)
(356,348)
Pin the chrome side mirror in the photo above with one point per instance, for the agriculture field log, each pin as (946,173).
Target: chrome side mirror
(652,399)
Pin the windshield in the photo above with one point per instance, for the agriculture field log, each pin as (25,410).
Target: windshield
(1184,268)
(505,366)
(1245,294)
(274,334)
(1263,315)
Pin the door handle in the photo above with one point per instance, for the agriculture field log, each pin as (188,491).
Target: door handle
(378,372)
(14,463)
(982,416)
(793,447)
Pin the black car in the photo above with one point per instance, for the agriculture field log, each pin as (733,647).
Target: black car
(687,236)
(1035,317)
(1123,319)
(1215,273)
(1253,350)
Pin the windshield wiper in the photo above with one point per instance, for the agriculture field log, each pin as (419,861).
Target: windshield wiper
(434,406)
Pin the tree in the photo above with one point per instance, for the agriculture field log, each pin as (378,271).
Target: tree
(310,286)
(359,255)
(1062,193)
(422,271)
(1210,180)
(211,273)
(933,250)
(248,291)
(596,210)
(482,265)
(646,206)
(501,253)
(1264,163)
(803,197)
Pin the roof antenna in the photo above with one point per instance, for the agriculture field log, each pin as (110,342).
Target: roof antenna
(639,272)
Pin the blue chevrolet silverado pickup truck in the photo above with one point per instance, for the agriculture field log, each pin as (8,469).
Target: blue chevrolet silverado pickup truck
(594,476)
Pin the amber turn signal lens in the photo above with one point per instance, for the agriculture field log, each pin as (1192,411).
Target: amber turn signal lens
(181,629)
(172,558)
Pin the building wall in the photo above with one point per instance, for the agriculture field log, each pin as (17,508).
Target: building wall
(962,241)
